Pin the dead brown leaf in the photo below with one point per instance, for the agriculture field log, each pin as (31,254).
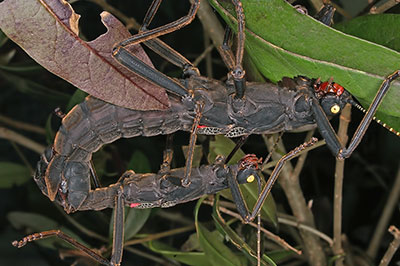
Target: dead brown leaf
(48,31)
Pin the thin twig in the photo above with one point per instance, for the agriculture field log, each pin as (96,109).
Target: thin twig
(341,11)
(22,125)
(383,6)
(207,43)
(21,140)
(203,55)
(394,245)
(210,23)
(23,157)
(338,190)
(80,227)
(317,4)
(160,235)
(269,235)
(155,258)
(176,217)
(387,212)
(305,227)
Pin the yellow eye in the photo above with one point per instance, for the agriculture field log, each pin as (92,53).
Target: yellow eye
(335,109)
(250,178)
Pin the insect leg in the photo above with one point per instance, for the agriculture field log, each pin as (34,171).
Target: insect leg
(95,178)
(66,238)
(234,63)
(238,197)
(192,143)
(226,51)
(163,49)
(118,233)
(238,145)
(134,64)
(162,30)
(329,134)
(167,156)
(325,15)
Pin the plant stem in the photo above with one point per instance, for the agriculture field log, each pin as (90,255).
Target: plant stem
(22,125)
(338,190)
(394,245)
(21,140)
(387,212)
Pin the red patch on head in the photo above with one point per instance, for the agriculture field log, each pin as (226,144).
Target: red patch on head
(329,87)
(200,126)
(134,205)
(250,161)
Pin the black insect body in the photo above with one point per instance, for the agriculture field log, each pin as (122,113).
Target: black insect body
(267,108)
(163,189)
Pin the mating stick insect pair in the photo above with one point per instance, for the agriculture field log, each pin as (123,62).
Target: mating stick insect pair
(197,104)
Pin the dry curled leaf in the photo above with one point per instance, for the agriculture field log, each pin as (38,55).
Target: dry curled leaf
(48,31)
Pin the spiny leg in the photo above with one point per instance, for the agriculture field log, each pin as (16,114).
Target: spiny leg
(167,156)
(134,64)
(149,37)
(162,30)
(66,238)
(234,63)
(163,49)
(118,232)
(192,143)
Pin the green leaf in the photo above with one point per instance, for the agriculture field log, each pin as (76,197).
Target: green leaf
(223,146)
(50,133)
(283,42)
(139,162)
(13,174)
(3,38)
(212,243)
(236,239)
(78,97)
(189,258)
(135,219)
(38,223)
(380,28)
(217,252)
(280,255)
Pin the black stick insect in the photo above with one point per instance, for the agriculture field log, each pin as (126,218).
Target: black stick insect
(163,189)
(197,104)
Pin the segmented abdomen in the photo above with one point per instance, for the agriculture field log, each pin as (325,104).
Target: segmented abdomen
(93,123)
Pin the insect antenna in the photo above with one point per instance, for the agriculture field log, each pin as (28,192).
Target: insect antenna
(359,107)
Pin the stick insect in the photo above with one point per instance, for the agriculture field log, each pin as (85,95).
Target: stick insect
(199,105)
(164,190)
